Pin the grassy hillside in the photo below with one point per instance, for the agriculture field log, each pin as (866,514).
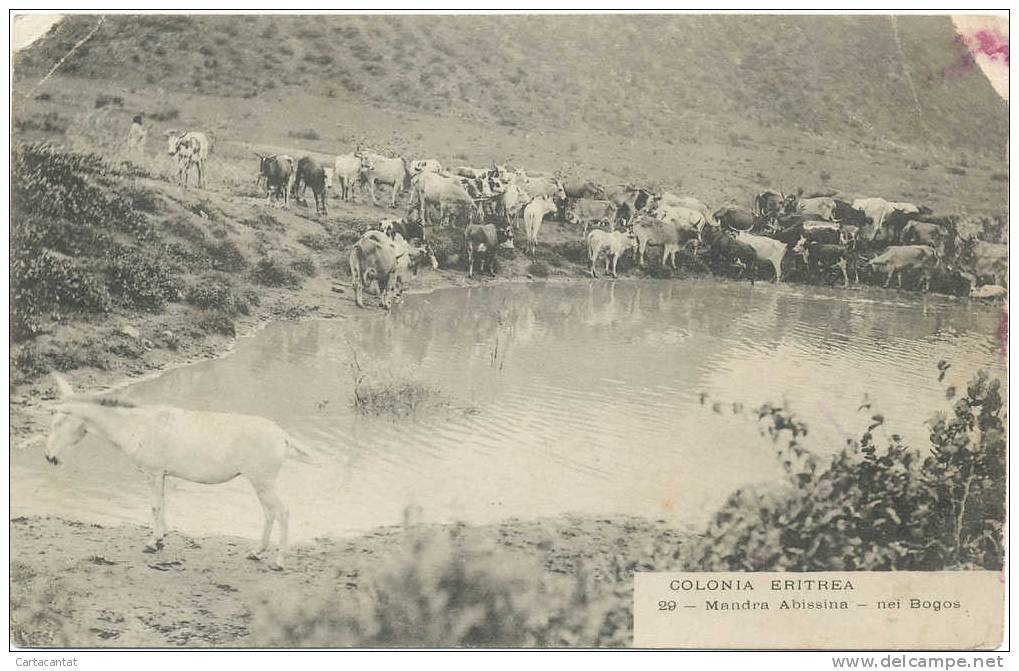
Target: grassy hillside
(864,78)
(99,244)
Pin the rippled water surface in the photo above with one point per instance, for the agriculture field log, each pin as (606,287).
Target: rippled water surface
(582,398)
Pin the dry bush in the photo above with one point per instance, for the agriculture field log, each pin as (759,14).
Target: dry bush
(441,591)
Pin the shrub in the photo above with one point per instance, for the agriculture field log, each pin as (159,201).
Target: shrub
(212,295)
(45,616)
(955,170)
(141,199)
(1000,177)
(269,272)
(183,227)
(102,100)
(306,134)
(226,256)
(264,221)
(305,266)
(316,241)
(46,281)
(443,591)
(52,183)
(164,114)
(539,269)
(874,507)
(214,321)
(139,281)
(50,122)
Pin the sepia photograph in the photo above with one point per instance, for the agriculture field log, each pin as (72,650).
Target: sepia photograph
(508,330)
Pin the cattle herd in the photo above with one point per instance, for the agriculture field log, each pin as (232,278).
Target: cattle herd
(821,235)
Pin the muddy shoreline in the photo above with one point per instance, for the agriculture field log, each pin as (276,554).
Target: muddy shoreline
(88,585)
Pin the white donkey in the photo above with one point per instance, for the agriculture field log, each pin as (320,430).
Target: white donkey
(205,447)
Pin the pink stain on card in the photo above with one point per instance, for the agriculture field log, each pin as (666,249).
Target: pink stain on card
(991,43)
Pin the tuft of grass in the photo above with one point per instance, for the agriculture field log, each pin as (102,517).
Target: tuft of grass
(164,114)
(271,273)
(305,134)
(539,269)
(396,398)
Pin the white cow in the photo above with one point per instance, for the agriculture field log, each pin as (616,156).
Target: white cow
(191,149)
(534,212)
(614,245)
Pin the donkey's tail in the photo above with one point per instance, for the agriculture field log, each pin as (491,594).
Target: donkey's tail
(298,452)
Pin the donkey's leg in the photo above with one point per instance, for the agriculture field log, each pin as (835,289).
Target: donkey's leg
(263,493)
(158,499)
(274,509)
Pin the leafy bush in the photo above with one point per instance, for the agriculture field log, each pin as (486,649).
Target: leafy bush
(270,273)
(874,507)
(56,184)
(141,281)
(442,591)
(211,295)
(224,255)
(44,281)
(214,321)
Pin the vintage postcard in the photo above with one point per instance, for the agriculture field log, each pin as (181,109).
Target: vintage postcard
(508,330)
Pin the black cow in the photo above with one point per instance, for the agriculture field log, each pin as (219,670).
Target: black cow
(277,171)
(725,251)
(310,172)
(483,240)
(847,214)
(630,201)
(820,255)
(734,218)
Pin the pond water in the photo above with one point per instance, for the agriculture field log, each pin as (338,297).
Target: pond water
(562,398)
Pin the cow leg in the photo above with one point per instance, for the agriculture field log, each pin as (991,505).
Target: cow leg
(900,277)
(845,276)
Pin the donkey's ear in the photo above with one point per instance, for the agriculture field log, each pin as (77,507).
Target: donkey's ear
(63,386)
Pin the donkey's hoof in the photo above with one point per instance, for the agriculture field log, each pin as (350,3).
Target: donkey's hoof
(153,547)
(276,565)
(255,556)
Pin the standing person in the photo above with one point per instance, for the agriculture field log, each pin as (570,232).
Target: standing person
(136,137)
